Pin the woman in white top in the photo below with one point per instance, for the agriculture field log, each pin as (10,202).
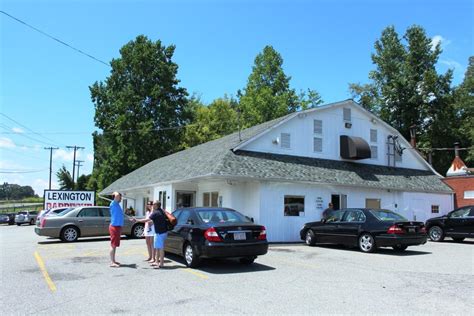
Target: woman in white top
(149,233)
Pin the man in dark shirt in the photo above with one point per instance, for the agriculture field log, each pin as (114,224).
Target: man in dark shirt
(327,211)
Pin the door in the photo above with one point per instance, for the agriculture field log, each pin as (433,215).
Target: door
(90,222)
(176,237)
(350,226)
(327,232)
(185,199)
(458,222)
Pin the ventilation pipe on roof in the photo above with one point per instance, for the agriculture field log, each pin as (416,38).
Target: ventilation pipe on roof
(456,149)
(413,136)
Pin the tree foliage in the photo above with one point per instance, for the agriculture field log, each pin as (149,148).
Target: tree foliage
(405,89)
(211,122)
(10,191)
(139,108)
(64,179)
(268,94)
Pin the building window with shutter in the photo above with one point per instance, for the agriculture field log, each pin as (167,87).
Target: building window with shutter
(373,135)
(374,152)
(347,114)
(285,140)
(435,209)
(318,127)
(318,145)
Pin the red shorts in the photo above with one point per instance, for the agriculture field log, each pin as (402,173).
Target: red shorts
(115,232)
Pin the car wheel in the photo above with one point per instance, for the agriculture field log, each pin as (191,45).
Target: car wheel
(137,231)
(399,248)
(458,239)
(310,238)
(18,224)
(69,234)
(32,222)
(367,243)
(436,233)
(190,256)
(247,260)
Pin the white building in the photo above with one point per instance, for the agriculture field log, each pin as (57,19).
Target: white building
(284,172)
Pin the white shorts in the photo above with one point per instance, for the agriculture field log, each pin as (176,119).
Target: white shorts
(150,232)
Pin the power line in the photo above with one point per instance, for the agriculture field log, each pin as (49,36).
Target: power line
(54,38)
(21,134)
(26,127)
(21,171)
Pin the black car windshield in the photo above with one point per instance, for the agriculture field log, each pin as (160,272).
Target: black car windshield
(221,216)
(66,211)
(387,216)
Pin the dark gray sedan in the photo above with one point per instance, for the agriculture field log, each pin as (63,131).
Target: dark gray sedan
(86,221)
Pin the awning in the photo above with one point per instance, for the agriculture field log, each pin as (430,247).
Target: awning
(354,148)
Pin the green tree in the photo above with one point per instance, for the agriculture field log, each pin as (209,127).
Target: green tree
(139,108)
(267,94)
(406,90)
(82,182)
(464,104)
(65,179)
(211,122)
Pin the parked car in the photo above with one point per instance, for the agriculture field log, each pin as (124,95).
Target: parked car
(457,224)
(85,221)
(49,212)
(365,228)
(215,233)
(7,218)
(26,217)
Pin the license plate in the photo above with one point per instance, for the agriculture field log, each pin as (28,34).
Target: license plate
(239,236)
(411,230)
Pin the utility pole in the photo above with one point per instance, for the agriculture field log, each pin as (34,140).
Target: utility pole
(74,161)
(79,164)
(50,162)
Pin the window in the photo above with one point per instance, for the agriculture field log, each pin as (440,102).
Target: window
(354,216)
(374,152)
(184,217)
(210,199)
(434,208)
(464,212)
(334,216)
(285,140)
(162,199)
(221,216)
(89,212)
(373,135)
(318,126)
(294,205)
(347,114)
(318,144)
(387,216)
(469,194)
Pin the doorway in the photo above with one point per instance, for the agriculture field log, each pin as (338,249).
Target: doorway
(339,201)
(185,199)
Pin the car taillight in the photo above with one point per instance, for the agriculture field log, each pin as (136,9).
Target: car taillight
(263,234)
(394,229)
(43,222)
(212,235)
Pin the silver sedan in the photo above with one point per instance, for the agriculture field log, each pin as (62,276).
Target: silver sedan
(86,221)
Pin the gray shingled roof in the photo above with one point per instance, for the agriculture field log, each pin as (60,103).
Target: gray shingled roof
(216,159)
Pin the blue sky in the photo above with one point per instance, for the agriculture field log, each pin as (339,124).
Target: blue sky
(44,94)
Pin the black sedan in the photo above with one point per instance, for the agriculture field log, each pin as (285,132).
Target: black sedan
(457,224)
(215,233)
(367,229)
(7,218)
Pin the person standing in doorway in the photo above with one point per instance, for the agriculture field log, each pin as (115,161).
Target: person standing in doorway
(149,233)
(115,228)
(327,211)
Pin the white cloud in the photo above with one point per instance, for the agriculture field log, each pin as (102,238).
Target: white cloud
(6,142)
(65,155)
(90,157)
(39,185)
(438,39)
(18,130)
(452,64)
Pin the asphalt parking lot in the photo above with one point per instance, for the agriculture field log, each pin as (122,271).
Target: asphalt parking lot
(45,276)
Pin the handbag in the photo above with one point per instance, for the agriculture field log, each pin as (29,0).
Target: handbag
(170,220)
